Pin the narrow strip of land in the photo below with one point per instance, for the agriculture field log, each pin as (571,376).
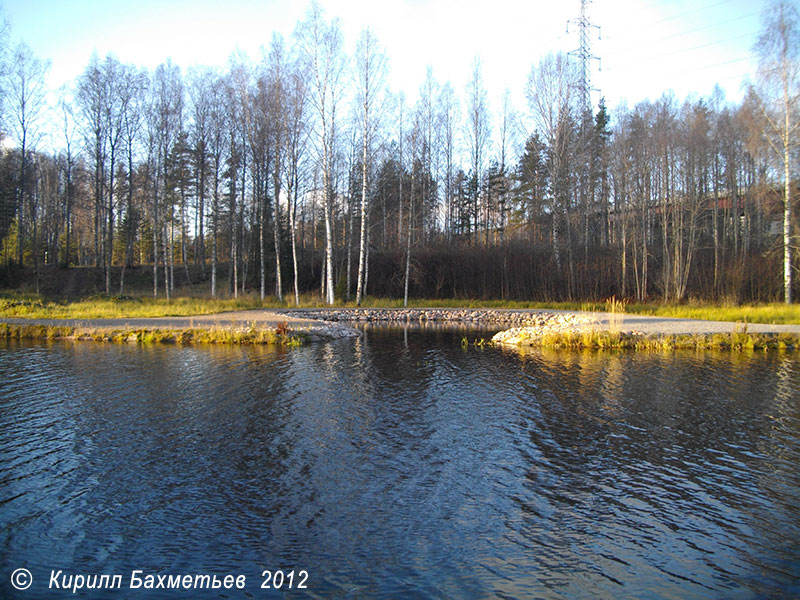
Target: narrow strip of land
(243,319)
(334,322)
(623,322)
(629,323)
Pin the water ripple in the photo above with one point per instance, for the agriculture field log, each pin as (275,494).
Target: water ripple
(402,465)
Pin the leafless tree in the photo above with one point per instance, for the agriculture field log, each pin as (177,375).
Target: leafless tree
(320,43)
(777,95)
(278,108)
(199,95)
(213,89)
(67,162)
(133,88)
(448,132)
(551,97)
(370,76)
(26,99)
(165,124)
(477,131)
(295,140)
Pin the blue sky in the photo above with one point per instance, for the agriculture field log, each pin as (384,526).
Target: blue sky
(645,46)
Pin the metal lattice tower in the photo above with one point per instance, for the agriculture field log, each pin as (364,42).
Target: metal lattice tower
(584,54)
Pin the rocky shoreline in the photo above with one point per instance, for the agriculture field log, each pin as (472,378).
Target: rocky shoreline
(516,328)
(467,316)
(301,324)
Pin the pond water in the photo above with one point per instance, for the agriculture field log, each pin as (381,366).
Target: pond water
(402,465)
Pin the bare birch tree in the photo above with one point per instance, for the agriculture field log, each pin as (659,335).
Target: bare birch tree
(214,90)
(200,108)
(370,76)
(278,108)
(550,93)
(165,124)
(67,159)
(296,134)
(134,86)
(448,117)
(26,99)
(477,131)
(321,45)
(777,95)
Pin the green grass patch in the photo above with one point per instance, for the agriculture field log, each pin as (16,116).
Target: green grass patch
(604,340)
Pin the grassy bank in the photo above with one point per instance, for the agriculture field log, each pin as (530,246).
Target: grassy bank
(38,307)
(776,314)
(602,340)
(739,341)
(248,336)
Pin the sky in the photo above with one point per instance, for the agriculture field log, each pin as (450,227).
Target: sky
(644,47)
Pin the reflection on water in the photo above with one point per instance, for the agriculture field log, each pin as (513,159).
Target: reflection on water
(402,465)
(462,327)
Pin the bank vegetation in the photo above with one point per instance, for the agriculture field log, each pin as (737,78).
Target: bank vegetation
(247,336)
(302,173)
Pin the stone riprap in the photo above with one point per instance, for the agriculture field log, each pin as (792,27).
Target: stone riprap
(533,319)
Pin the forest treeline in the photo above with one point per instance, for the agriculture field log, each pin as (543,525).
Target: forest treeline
(302,172)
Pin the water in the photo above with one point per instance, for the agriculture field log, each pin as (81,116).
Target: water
(402,465)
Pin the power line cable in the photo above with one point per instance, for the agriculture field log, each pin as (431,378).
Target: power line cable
(705,67)
(682,14)
(742,75)
(719,64)
(653,57)
(681,34)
